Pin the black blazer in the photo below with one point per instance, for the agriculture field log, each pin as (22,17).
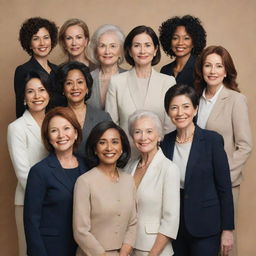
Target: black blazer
(208,201)
(19,84)
(48,208)
(186,76)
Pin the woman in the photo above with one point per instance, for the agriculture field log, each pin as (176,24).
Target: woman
(106,51)
(157,180)
(25,144)
(73,39)
(141,87)
(206,213)
(75,82)
(183,38)
(49,191)
(224,109)
(37,37)
(104,219)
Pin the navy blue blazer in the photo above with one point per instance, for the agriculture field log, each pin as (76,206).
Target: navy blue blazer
(48,209)
(19,84)
(186,76)
(208,201)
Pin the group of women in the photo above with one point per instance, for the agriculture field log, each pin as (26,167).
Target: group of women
(174,190)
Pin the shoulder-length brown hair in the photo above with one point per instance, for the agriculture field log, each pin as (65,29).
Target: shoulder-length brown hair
(231,73)
(69,115)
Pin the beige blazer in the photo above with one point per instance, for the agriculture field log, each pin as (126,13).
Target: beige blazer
(123,97)
(25,148)
(104,215)
(158,202)
(229,117)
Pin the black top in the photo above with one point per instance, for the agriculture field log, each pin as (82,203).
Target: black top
(72,173)
(186,74)
(19,84)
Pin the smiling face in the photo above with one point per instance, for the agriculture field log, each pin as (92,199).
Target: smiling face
(62,134)
(181,42)
(75,41)
(36,96)
(213,70)
(108,49)
(75,88)
(41,43)
(181,112)
(109,147)
(142,50)
(145,135)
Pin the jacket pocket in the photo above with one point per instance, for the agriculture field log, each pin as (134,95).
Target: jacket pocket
(49,231)
(152,227)
(210,202)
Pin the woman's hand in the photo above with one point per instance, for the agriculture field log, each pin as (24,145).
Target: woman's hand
(227,241)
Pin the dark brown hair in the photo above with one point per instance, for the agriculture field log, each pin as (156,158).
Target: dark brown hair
(69,115)
(229,81)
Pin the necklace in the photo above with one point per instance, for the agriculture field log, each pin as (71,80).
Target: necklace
(189,138)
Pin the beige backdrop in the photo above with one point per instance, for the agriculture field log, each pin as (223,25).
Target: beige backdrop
(228,23)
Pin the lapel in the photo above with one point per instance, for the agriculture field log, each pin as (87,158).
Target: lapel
(195,153)
(59,173)
(133,88)
(151,172)
(168,144)
(32,125)
(218,106)
(96,85)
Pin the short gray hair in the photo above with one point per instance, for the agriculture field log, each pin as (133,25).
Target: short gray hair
(91,49)
(145,114)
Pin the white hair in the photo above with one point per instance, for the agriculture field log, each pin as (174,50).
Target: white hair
(91,49)
(139,114)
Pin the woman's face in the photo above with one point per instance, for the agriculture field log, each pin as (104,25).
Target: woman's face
(181,42)
(62,134)
(75,41)
(142,50)
(75,87)
(108,49)
(181,112)
(41,43)
(109,147)
(36,96)
(145,135)
(213,70)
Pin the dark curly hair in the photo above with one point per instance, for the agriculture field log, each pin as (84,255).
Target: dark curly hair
(193,27)
(231,74)
(62,73)
(91,158)
(31,27)
(128,43)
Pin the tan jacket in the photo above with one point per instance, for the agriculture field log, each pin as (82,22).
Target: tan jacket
(104,214)
(123,97)
(229,117)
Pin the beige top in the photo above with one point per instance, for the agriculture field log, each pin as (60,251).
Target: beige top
(104,214)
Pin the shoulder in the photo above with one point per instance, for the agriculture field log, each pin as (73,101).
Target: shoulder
(166,69)
(41,168)
(54,67)
(170,80)
(103,115)
(126,177)
(95,73)
(121,76)
(88,177)
(210,135)
(17,125)
(166,164)
(234,95)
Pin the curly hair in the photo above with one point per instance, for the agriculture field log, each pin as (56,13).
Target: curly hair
(31,26)
(231,74)
(193,27)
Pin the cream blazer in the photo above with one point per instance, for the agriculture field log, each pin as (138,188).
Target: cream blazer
(158,202)
(104,214)
(25,148)
(229,117)
(123,97)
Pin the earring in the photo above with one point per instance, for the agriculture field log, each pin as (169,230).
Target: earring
(25,103)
